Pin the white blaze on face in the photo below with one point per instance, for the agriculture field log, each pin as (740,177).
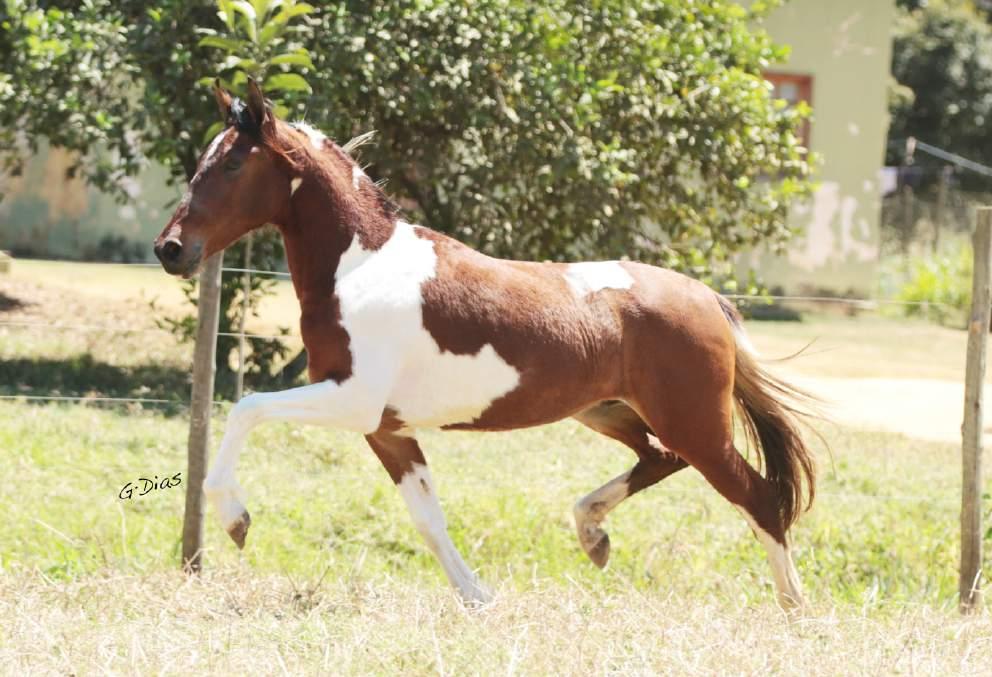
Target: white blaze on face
(209,158)
(591,277)
(382,305)
(294,184)
(356,176)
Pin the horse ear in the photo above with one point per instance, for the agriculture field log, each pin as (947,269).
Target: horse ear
(223,100)
(256,104)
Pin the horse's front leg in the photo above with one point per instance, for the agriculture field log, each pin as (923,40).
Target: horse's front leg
(404,461)
(351,405)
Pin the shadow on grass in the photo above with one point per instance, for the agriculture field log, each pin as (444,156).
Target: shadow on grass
(9,303)
(82,376)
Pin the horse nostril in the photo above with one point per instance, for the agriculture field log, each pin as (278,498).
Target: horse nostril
(171,250)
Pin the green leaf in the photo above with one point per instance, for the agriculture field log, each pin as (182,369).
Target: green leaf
(286,82)
(228,44)
(212,131)
(226,13)
(300,58)
(269,31)
(247,12)
(262,7)
(300,9)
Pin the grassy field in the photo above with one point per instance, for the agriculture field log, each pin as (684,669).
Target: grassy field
(335,579)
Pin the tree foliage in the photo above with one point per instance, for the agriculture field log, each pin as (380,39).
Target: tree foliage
(942,62)
(561,130)
(564,129)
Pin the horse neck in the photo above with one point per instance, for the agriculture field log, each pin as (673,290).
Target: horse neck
(326,215)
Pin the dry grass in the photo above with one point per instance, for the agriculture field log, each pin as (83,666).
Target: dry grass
(103,282)
(236,621)
(868,346)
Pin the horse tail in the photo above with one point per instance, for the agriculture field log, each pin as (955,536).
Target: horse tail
(771,412)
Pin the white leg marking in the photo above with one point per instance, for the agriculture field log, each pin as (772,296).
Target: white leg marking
(208,156)
(352,405)
(790,589)
(592,276)
(592,510)
(294,184)
(417,490)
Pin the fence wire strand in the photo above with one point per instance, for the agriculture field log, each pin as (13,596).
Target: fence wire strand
(182,403)
(862,303)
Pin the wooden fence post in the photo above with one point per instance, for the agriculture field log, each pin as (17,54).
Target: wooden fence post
(204,368)
(239,384)
(971,430)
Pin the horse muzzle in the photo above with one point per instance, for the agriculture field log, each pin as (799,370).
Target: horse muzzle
(177,259)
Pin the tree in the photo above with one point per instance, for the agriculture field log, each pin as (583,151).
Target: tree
(942,63)
(568,129)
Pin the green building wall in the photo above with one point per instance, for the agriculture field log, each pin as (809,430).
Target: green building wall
(846,46)
(45,213)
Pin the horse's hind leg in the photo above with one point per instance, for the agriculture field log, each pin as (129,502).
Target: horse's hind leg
(702,432)
(405,463)
(617,420)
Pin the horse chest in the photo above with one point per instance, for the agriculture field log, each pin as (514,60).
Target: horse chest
(381,310)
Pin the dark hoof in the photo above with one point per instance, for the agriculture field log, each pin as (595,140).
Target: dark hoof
(239,530)
(600,553)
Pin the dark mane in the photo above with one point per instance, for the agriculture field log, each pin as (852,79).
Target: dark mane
(386,203)
(292,146)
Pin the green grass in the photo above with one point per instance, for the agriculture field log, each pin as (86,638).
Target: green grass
(335,579)
(883,528)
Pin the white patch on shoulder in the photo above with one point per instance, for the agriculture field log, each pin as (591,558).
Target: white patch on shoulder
(356,176)
(382,311)
(294,184)
(316,137)
(593,276)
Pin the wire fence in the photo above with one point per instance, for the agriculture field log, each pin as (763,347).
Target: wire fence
(867,304)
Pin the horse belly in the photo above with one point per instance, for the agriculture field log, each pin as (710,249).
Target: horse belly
(438,388)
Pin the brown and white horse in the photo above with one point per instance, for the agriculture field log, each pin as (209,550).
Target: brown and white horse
(406,328)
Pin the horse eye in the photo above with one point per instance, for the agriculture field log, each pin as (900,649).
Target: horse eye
(232,165)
